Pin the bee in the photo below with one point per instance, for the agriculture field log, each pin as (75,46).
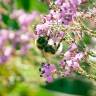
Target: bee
(48,47)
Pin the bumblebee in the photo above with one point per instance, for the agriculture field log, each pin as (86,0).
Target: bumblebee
(42,44)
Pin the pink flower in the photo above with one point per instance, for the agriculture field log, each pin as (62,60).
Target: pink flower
(79,56)
(75,65)
(52,68)
(67,72)
(4,33)
(25,37)
(59,2)
(69,63)
(3,59)
(67,55)
(24,49)
(7,51)
(62,63)
(49,79)
(75,3)
(11,35)
(42,29)
(73,47)
(47,70)
(16,14)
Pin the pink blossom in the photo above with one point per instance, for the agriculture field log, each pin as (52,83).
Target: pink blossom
(59,2)
(73,47)
(67,55)
(79,56)
(7,51)
(49,79)
(75,65)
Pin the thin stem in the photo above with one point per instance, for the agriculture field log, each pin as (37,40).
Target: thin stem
(84,73)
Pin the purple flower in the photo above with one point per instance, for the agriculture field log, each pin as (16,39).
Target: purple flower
(59,2)
(79,56)
(1,42)
(8,51)
(67,72)
(71,60)
(16,13)
(67,13)
(64,14)
(49,79)
(3,59)
(73,47)
(75,3)
(26,19)
(72,64)
(47,71)
(67,55)
(63,63)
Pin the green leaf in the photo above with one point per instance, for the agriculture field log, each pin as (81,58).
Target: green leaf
(86,23)
(13,24)
(25,4)
(81,45)
(71,86)
(86,66)
(29,5)
(5,18)
(10,23)
(18,46)
(87,5)
(86,39)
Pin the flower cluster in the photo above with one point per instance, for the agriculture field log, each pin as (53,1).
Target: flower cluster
(71,60)
(53,32)
(64,26)
(47,71)
(16,42)
(65,11)
(47,29)
(23,18)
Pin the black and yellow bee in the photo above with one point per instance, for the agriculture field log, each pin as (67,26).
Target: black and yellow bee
(42,44)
